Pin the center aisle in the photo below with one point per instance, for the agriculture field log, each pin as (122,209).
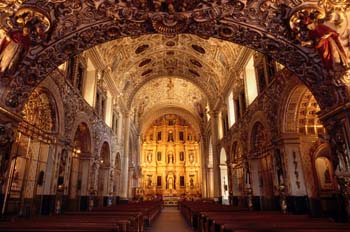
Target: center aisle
(169,220)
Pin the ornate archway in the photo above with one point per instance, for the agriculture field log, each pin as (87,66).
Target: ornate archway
(57,30)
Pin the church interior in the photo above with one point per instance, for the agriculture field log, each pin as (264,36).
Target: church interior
(228,113)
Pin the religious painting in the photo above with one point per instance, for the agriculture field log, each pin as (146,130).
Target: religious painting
(324,173)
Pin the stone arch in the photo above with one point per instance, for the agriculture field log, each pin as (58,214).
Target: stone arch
(258,120)
(52,88)
(105,154)
(41,111)
(89,23)
(81,118)
(82,139)
(300,113)
(80,170)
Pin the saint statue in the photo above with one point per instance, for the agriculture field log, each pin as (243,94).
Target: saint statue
(12,48)
(311,32)
(149,157)
(171,183)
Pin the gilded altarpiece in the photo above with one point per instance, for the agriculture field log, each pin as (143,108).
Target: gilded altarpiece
(170,160)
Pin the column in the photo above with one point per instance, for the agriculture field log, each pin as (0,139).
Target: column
(211,183)
(125,158)
(138,159)
(216,171)
(204,164)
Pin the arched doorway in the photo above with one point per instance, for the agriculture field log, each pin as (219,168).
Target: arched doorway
(104,177)
(261,165)
(224,177)
(79,171)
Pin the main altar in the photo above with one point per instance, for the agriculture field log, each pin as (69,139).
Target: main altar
(170,161)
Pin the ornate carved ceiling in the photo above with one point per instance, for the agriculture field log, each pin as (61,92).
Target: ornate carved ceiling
(207,63)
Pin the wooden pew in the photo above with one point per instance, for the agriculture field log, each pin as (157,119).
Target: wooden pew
(123,218)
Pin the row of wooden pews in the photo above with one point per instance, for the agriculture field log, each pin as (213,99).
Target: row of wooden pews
(120,218)
(210,217)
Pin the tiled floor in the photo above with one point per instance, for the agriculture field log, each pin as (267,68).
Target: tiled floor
(169,220)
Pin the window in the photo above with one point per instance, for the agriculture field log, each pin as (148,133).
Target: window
(182,181)
(159,136)
(250,81)
(159,156)
(231,111)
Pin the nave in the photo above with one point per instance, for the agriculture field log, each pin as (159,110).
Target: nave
(245,103)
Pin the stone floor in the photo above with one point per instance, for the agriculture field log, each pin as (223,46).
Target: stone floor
(169,220)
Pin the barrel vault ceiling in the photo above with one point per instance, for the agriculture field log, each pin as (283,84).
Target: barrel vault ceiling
(185,70)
